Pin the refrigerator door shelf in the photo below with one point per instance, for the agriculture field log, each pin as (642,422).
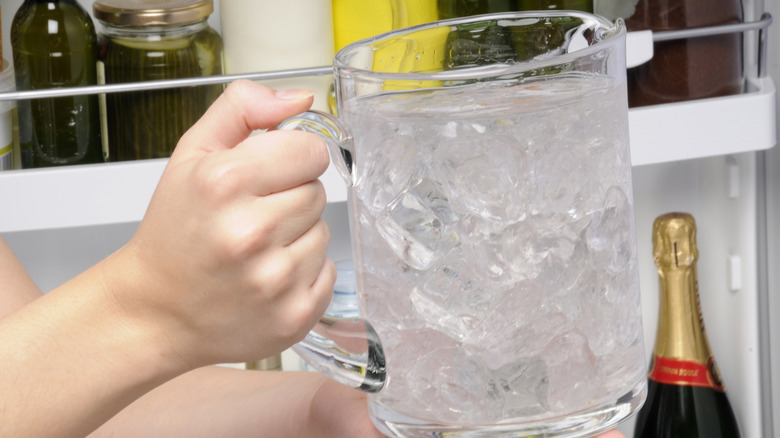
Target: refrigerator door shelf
(705,127)
(113,193)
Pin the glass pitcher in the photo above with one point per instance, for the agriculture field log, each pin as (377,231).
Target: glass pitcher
(491,214)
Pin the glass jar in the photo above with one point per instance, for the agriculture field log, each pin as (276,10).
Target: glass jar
(155,40)
(691,68)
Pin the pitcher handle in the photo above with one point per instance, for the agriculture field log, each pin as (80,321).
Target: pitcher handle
(346,350)
(329,129)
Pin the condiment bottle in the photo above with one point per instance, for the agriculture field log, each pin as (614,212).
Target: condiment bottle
(264,35)
(145,40)
(54,45)
(692,68)
(355,20)
(686,396)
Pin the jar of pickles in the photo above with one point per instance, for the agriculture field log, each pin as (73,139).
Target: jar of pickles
(146,40)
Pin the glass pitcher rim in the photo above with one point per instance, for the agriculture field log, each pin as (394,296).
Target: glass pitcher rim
(614,32)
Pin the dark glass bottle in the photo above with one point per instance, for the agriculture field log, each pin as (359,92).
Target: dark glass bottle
(464,8)
(692,68)
(54,45)
(686,397)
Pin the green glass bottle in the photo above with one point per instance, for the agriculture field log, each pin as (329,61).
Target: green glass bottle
(576,5)
(54,45)
(464,8)
(686,397)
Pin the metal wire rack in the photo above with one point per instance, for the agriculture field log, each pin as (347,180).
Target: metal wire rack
(761,25)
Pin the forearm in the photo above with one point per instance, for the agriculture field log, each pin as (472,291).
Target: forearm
(225,402)
(70,360)
(218,401)
(17,288)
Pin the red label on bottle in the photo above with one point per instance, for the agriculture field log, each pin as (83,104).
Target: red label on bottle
(685,372)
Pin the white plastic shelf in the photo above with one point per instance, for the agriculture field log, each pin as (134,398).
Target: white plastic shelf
(94,194)
(120,192)
(706,127)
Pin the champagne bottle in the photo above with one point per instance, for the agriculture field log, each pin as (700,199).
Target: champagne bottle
(54,45)
(686,397)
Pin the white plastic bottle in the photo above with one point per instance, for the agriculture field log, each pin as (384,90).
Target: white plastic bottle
(265,35)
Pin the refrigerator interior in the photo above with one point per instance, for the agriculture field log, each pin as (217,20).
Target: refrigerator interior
(735,198)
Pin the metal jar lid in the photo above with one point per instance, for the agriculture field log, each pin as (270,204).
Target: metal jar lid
(151,12)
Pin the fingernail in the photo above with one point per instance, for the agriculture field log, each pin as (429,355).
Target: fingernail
(294,94)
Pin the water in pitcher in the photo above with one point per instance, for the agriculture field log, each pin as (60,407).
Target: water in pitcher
(495,232)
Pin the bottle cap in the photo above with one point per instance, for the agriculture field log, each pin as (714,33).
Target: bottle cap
(151,12)
(674,240)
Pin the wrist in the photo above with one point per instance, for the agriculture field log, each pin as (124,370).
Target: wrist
(133,298)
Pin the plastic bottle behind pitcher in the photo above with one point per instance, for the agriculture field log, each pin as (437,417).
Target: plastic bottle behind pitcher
(355,20)
(54,45)
(344,303)
(265,35)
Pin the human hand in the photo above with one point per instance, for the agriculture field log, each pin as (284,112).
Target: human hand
(229,262)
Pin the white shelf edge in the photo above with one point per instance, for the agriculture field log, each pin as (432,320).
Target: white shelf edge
(724,125)
(95,194)
(77,196)
(113,193)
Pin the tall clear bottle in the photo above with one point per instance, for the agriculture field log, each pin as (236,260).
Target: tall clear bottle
(686,397)
(54,45)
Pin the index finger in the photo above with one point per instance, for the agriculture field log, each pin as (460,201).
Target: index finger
(245,106)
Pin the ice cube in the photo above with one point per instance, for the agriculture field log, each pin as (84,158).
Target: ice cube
(610,233)
(415,225)
(484,174)
(453,385)
(524,383)
(452,299)
(572,370)
(386,171)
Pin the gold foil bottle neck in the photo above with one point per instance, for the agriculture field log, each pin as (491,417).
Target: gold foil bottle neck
(682,354)
(674,240)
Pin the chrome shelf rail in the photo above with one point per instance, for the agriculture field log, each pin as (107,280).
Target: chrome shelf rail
(761,25)
(162,84)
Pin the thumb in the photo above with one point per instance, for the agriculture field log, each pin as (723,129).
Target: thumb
(245,106)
